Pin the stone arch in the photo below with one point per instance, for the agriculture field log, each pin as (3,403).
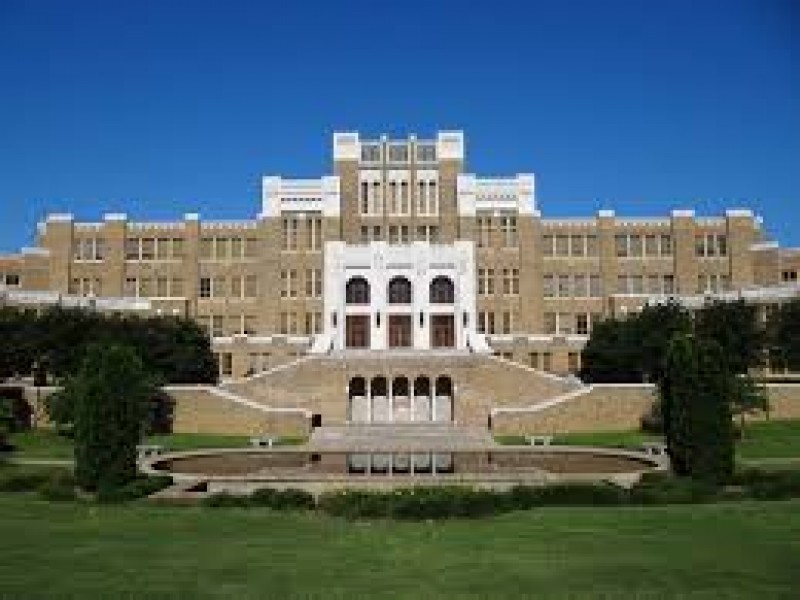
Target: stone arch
(357,290)
(442,290)
(399,290)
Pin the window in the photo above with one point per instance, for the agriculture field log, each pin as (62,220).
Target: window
(507,322)
(577,245)
(219,289)
(547,361)
(227,364)
(426,153)
(591,245)
(564,288)
(288,283)
(594,286)
(313,283)
(582,323)
(132,249)
(484,231)
(176,287)
(482,282)
(486,323)
(622,284)
(131,287)
(511,282)
(370,152)
(399,291)
(398,153)
(250,286)
(669,284)
(162,287)
(565,323)
(653,284)
(573,362)
(12,279)
(250,249)
(550,323)
(635,245)
(562,245)
(236,248)
(289,229)
(236,286)
(548,286)
(148,249)
(637,284)
(405,207)
(547,245)
(357,291)
(533,360)
(442,291)
(508,226)
(222,248)
(580,286)
(205,287)
(621,245)
(722,245)
(651,245)
(666,245)
(364,197)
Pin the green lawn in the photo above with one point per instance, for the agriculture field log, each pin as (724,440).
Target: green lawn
(762,440)
(45,443)
(741,550)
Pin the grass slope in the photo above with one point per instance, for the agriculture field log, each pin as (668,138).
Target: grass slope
(743,550)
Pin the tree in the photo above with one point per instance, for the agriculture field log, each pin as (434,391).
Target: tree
(694,391)
(783,327)
(747,397)
(632,350)
(110,395)
(736,328)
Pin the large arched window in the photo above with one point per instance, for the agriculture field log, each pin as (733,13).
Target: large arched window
(399,291)
(357,291)
(442,290)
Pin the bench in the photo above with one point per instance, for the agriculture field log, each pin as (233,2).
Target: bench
(539,440)
(262,442)
(145,451)
(654,448)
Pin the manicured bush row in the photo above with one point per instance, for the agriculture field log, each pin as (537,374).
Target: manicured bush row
(141,487)
(288,499)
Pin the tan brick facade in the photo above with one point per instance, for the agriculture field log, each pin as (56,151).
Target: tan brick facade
(258,285)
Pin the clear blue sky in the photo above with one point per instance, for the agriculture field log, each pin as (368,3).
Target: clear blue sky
(157,108)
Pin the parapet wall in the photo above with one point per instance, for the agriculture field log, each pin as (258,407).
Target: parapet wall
(618,407)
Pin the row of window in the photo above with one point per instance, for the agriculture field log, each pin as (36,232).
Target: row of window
(372,152)
(292,323)
(394,197)
(564,323)
(225,248)
(569,245)
(290,285)
(789,276)
(441,291)
(650,284)
(710,245)
(145,287)
(713,283)
(399,234)
(237,286)
(509,281)
(495,322)
(505,225)
(91,248)
(149,249)
(290,231)
(222,325)
(579,285)
(632,245)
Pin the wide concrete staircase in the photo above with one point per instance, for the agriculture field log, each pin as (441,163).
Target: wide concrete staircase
(319,383)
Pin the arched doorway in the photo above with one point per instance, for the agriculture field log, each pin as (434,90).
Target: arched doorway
(443,399)
(401,399)
(381,405)
(358,410)
(421,403)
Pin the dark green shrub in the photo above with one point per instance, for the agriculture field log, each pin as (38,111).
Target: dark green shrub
(140,487)
(288,499)
(658,488)
(60,487)
(225,500)
(770,485)
(21,479)
(567,494)
(354,504)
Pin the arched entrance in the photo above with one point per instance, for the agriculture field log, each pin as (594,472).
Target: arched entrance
(443,399)
(358,401)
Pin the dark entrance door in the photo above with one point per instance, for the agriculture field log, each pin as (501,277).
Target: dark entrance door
(357,331)
(400,331)
(443,332)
